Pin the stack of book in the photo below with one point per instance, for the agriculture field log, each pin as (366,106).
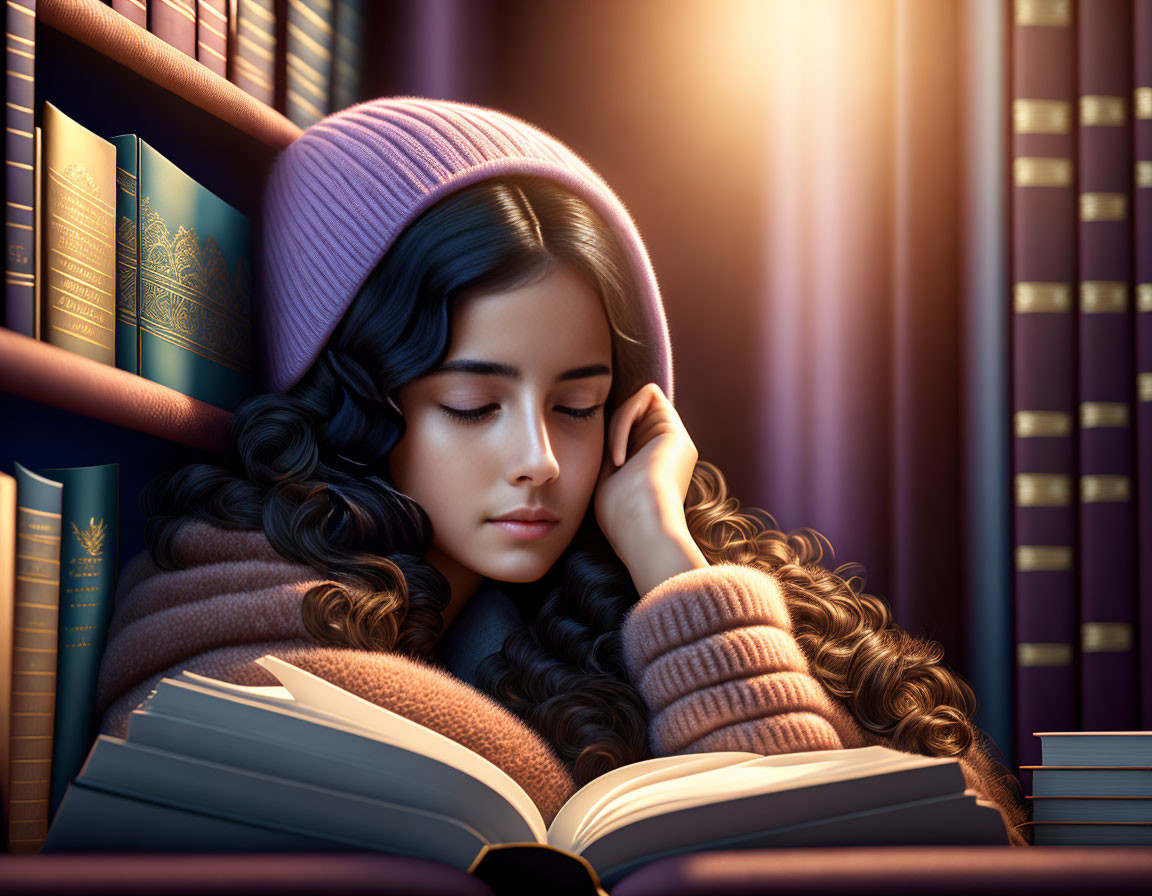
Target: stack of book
(58,563)
(1094,789)
(309,766)
(302,57)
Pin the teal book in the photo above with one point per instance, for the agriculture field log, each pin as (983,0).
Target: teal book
(88,549)
(193,284)
(127,257)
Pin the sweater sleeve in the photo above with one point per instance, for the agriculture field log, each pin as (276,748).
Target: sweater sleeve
(712,653)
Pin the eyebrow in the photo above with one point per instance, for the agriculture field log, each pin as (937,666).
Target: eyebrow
(491,368)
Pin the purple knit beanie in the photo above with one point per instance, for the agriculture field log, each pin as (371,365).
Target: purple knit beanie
(338,197)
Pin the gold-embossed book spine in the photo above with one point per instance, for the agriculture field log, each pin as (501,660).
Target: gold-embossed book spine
(79,229)
(1142,271)
(35,621)
(19,173)
(1044,369)
(1106,498)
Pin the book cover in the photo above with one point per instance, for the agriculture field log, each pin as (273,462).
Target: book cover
(308,60)
(194,286)
(174,21)
(1091,781)
(34,633)
(254,60)
(1043,338)
(1142,270)
(1098,749)
(19,168)
(134,10)
(347,55)
(79,227)
(88,565)
(7,614)
(310,759)
(1108,698)
(212,35)
(127,252)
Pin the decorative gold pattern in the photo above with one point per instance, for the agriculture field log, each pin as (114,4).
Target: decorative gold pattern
(1144,297)
(1144,387)
(1043,490)
(92,538)
(1103,207)
(1055,13)
(1097,414)
(1044,654)
(1043,558)
(1101,489)
(1041,116)
(1143,175)
(1041,298)
(1143,102)
(1103,297)
(1102,111)
(187,295)
(1038,171)
(1042,424)
(1105,637)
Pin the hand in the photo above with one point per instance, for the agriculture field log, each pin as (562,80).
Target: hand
(648,464)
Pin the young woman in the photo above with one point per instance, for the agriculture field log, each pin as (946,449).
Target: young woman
(469,497)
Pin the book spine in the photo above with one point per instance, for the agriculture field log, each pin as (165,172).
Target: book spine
(174,21)
(34,632)
(347,55)
(212,35)
(135,11)
(1043,371)
(80,238)
(7,615)
(308,60)
(1108,697)
(127,241)
(254,62)
(88,552)
(195,286)
(19,166)
(1142,269)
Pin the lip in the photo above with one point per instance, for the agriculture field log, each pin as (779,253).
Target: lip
(527,515)
(523,530)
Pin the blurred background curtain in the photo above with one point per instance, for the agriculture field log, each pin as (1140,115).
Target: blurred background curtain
(820,185)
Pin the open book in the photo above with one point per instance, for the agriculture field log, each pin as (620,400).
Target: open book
(208,765)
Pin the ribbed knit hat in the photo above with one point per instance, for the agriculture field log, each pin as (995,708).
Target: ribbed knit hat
(338,197)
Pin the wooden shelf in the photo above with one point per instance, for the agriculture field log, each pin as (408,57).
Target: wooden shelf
(52,376)
(106,31)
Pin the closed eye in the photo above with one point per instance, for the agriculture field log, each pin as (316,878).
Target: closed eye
(478,415)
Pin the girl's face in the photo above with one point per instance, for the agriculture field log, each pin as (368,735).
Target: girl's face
(509,428)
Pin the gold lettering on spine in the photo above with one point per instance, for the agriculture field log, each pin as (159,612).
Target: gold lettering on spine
(1041,117)
(1041,298)
(1103,207)
(1044,654)
(1042,424)
(1144,387)
(1043,558)
(1143,102)
(1038,171)
(1043,490)
(1097,414)
(1144,297)
(1105,637)
(1103,297)
(1051,13)
(1143,175)
(1105,489)
(1102,111)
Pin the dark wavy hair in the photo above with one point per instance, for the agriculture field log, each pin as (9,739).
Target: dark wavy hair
(310,469)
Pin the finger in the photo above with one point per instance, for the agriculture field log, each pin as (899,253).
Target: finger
(633,410)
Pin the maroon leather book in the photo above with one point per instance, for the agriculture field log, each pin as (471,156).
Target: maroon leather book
(1142,270)
(133,10)
(175,22)
(1108,699)
(1044,372)
(212,35)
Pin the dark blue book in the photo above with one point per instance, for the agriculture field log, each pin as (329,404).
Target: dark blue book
(193,283)
(308,60)
(19,168)
(1067,781)
(88,564)
(127,252)
(348,55)
(1117,749)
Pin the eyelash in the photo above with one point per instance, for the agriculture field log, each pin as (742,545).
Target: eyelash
(479,415)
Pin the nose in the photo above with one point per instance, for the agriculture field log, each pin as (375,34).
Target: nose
(532,460)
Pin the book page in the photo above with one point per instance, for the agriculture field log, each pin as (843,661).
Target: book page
(314,692)
(588,800)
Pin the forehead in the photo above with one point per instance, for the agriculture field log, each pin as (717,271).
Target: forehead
(550,321)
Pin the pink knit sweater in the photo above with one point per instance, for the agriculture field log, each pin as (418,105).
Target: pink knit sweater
(711,652)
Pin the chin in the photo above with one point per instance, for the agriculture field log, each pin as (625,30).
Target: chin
(518,573)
